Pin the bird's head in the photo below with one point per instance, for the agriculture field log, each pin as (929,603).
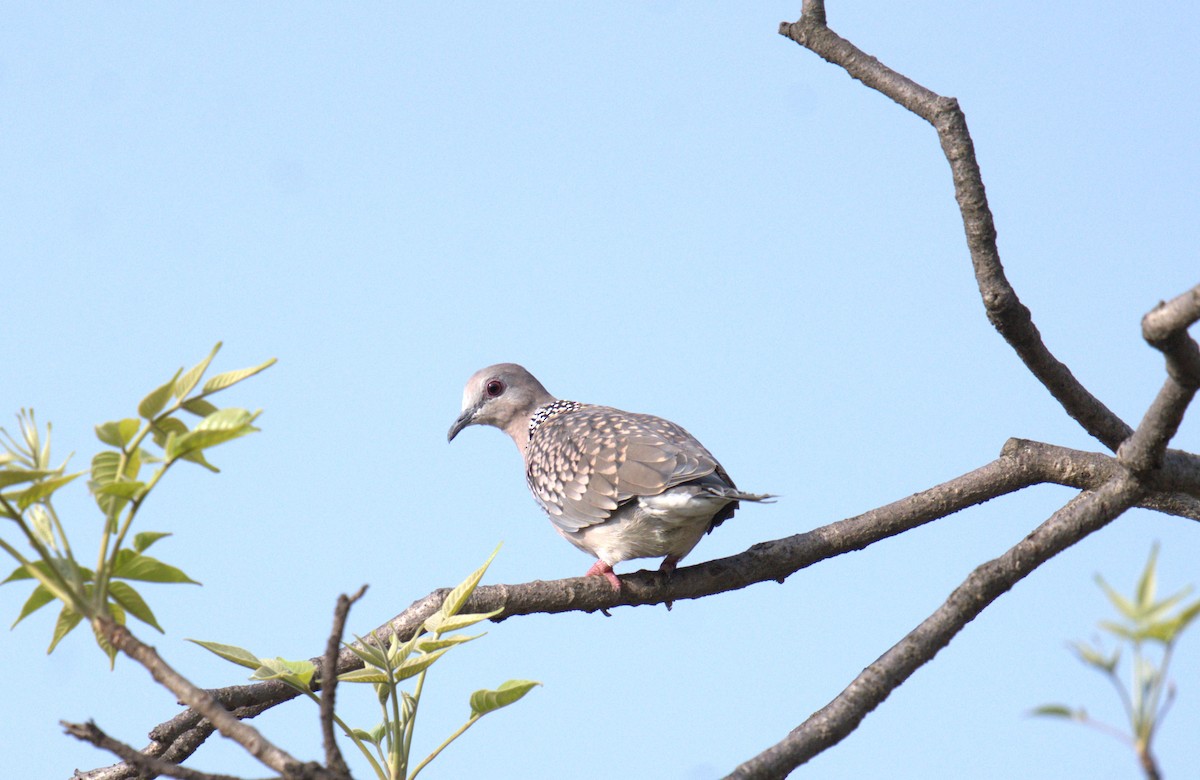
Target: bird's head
(504,396)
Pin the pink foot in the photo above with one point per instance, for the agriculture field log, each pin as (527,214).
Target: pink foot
(603,569)
(668,564)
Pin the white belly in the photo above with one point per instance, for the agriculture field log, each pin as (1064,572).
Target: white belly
(669,524)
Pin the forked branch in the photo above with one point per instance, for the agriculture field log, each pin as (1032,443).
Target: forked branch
(1004,309)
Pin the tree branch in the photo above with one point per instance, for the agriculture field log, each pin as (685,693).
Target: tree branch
(333,755)
(1004,309)
(1087,512)
(1021,464)
(90,732)
(205,703)
(1165,329)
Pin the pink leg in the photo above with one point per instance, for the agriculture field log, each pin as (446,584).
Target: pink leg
(603,569)
(668,564)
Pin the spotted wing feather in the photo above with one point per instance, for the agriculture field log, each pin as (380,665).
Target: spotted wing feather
(584,464)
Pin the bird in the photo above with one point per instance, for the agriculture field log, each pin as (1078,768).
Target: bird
(616,484)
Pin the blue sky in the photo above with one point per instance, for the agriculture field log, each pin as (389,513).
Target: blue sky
(662,207)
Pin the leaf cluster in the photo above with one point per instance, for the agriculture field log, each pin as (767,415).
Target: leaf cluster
(1148,629)
(140,451)
(386,664)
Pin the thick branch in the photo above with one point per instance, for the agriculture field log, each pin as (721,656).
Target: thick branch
(1084,514)
(1022,463)
(1004,310)
(774,560)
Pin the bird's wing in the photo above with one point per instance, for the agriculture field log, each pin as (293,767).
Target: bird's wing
(582,465)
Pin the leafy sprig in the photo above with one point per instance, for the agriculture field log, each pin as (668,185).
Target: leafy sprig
(1146,624)
(386,664)
(154,441)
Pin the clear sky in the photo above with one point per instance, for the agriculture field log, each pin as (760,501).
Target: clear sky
(664,207)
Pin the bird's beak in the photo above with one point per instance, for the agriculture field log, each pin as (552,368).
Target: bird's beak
(464,419)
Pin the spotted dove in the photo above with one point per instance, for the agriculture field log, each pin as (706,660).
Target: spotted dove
(616,485)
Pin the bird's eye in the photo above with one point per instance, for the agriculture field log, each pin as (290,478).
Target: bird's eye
(494,388)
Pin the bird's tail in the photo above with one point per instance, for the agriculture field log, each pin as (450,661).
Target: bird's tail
(737,495)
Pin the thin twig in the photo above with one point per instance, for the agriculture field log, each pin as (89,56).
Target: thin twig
(203,701)
(333,755)
(90,732)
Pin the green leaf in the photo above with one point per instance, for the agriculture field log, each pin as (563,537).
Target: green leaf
(229,378)
(485,701)
(299,673)
(231,653)
(417,664)
(105,466)
(131,565)
(152,404)
(185,383)
(118,433)
(428,645)
(198,457)
(1124,632)
(199,407)
(104,472)
(105,645)
(41,490)
(1159,632)
(127,429)
(217,428)
(456,598)
(1147,584)
(373,736)
(67,620)
(1186,616)
(133,463)
(1159,609)
(62,565)
(109,433)
(38,599)
(166,426)
(142,541)
(42,526)
(118,615)
(132,601)
(124,489)
(367,674)
(1123,605)
(435,623)
(368,651)
(1058,711)
(10,477)
(1093,657)
(410,668)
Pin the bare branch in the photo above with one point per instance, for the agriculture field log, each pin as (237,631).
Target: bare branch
(1022,463)
(1172,317)
(1084,514)
(202,701)
(1165,328)
(1004,310)
(1168,492)
(90,732)
(333,755)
